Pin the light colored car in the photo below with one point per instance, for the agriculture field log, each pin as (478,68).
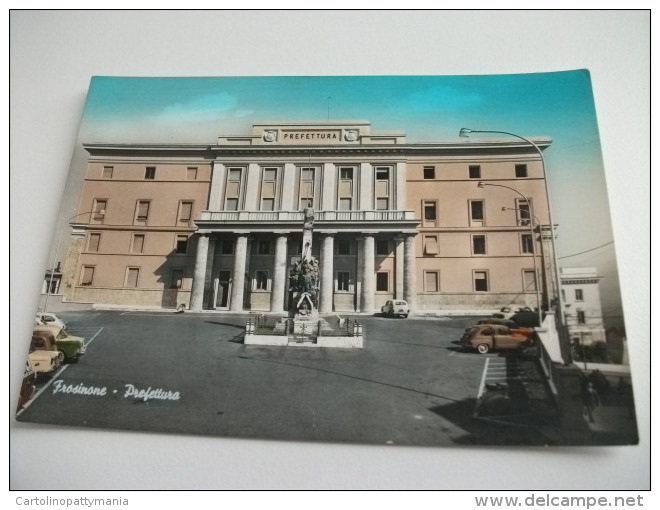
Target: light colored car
(45,318)
(44,356)
(398,307)
(490,337)
(72,347)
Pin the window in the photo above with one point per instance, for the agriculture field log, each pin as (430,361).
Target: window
(431,281)
(261,280)
(150,173)
(93,242)
(343,281)
(191,173)
(176,280)
(480,281)
(430,211)
(382,188)
(529,280)
(227,247)
(263,248)
(142,211)
(181,244)
(268,189)
(579,295)
(98,211)
(382,281)
(527,243)
(475,171)
(87,275)
(476,210)
(343,247)
(346,188)
(107,172)
(306,187)
(521,171)
(137,243)
(479,245)
(523,211)
(132,274)
(431,245)
(580,316)
(185,213)
(429,172)
(382,247)
(233,189)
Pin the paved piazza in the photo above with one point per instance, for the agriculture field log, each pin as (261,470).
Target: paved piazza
(191,373)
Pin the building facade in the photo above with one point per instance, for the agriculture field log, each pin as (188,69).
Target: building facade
(218,226)
(583,309)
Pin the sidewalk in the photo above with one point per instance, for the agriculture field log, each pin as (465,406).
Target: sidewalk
(611,421)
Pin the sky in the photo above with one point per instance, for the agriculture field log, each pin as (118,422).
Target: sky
(427,108)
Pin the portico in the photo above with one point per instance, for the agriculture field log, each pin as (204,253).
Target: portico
(265,245)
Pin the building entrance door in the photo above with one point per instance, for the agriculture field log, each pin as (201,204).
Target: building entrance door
(223,289)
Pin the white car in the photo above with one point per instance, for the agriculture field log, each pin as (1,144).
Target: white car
(398,307)
(47,318)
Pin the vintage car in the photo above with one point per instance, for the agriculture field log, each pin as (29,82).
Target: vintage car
(44,356)
(490,337)
(71,347)
(501,322)
(397,307)
(28,386)
(45,318)
(522,317)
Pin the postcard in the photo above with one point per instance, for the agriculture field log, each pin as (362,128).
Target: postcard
(400,260)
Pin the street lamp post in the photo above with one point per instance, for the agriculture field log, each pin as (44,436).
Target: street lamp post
(57,248)
(482,184)
(464,133)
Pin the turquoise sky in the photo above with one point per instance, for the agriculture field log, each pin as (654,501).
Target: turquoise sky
(427,108)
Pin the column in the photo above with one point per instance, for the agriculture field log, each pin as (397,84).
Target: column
(409,282)
(328,190)
(368,274)
(366,187)
(288,188)
(327,279)
(197,291)
(251,199)
(217,185)
(238,275)
(398,267)
(399,186)
(279,274)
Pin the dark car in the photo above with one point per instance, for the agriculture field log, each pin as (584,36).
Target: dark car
(527,319)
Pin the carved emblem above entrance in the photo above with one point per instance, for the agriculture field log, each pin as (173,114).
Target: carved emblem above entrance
(350,135)
(270,136)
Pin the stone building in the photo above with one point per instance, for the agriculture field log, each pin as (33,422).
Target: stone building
(218,226)
(583,309)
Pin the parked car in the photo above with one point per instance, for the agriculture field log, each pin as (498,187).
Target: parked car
(45,318)
(501,322)
(44,356)
(71,347)
(522,317)
(490,337)
(28,386)
(397,307)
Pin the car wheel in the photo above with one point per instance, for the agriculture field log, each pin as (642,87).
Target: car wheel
(61,357)
(483,348)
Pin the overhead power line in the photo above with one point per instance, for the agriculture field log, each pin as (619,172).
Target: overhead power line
(586,251)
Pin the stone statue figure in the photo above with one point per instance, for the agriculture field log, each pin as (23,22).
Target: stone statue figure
(308,213)
(304,274)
